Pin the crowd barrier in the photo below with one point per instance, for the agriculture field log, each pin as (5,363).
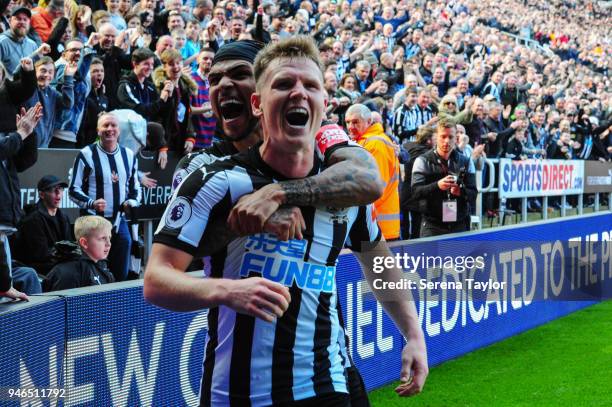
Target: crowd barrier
(106,346)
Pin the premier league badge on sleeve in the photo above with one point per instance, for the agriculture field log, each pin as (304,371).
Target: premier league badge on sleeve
(178,213)
(178,178)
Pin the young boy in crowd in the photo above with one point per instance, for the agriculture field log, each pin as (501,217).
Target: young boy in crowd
(93,234)
(53,102)
(189,54)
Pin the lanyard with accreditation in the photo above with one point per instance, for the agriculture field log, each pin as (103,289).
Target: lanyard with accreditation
(449,205)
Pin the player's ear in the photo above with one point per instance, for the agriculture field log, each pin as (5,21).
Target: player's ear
(256,105)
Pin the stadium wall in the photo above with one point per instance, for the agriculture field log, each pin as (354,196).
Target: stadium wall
(106,346)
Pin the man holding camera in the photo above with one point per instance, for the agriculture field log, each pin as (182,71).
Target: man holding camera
(444,183)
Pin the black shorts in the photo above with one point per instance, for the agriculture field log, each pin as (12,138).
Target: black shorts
(357,390)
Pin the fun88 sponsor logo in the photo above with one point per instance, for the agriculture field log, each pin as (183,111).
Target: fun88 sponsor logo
(283,263)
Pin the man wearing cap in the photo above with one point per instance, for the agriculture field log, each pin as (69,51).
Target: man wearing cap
(14,43)
(42,22)
(45,225)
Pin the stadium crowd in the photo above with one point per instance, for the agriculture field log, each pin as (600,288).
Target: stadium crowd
(520,79)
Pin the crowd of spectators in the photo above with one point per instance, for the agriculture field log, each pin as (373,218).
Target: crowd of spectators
(521,79)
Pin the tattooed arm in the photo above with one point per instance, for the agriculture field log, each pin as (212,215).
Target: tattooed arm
(352,178)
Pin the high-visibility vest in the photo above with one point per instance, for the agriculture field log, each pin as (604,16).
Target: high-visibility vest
(387,206)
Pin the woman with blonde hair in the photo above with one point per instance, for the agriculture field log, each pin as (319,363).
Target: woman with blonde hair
(80,22)
(434,93)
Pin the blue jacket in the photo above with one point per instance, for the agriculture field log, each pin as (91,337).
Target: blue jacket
(13,50)
(69,121)
(53,103)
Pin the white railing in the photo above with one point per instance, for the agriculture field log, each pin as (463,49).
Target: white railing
(503,212)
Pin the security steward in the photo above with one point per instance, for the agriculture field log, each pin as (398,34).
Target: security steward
(372,137)
(444,183)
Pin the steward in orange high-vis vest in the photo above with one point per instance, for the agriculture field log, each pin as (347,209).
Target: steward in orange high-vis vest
(373,138)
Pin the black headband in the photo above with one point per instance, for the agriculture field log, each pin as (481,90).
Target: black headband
(244,50)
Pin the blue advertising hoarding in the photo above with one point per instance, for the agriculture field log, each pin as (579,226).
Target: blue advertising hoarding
(109,347)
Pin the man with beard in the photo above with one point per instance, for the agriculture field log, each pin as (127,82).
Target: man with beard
(426,68)
(293,362)
(349,178)
(14,43)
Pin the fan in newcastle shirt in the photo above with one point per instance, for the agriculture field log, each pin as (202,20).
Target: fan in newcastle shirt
(105,182)
(272,334)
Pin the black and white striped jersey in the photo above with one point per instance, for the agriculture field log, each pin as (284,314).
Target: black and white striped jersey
(98,174)
(193,161)
(301,355)
(407,120)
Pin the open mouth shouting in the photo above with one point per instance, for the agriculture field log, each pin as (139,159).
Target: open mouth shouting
(297,117)
(231,109)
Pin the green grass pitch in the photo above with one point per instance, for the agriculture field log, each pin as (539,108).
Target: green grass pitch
(567,362)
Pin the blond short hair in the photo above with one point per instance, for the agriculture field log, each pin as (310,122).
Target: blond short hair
(86,225)
(299,46)
(170,55)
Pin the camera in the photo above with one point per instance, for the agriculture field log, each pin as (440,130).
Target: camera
(459,178)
